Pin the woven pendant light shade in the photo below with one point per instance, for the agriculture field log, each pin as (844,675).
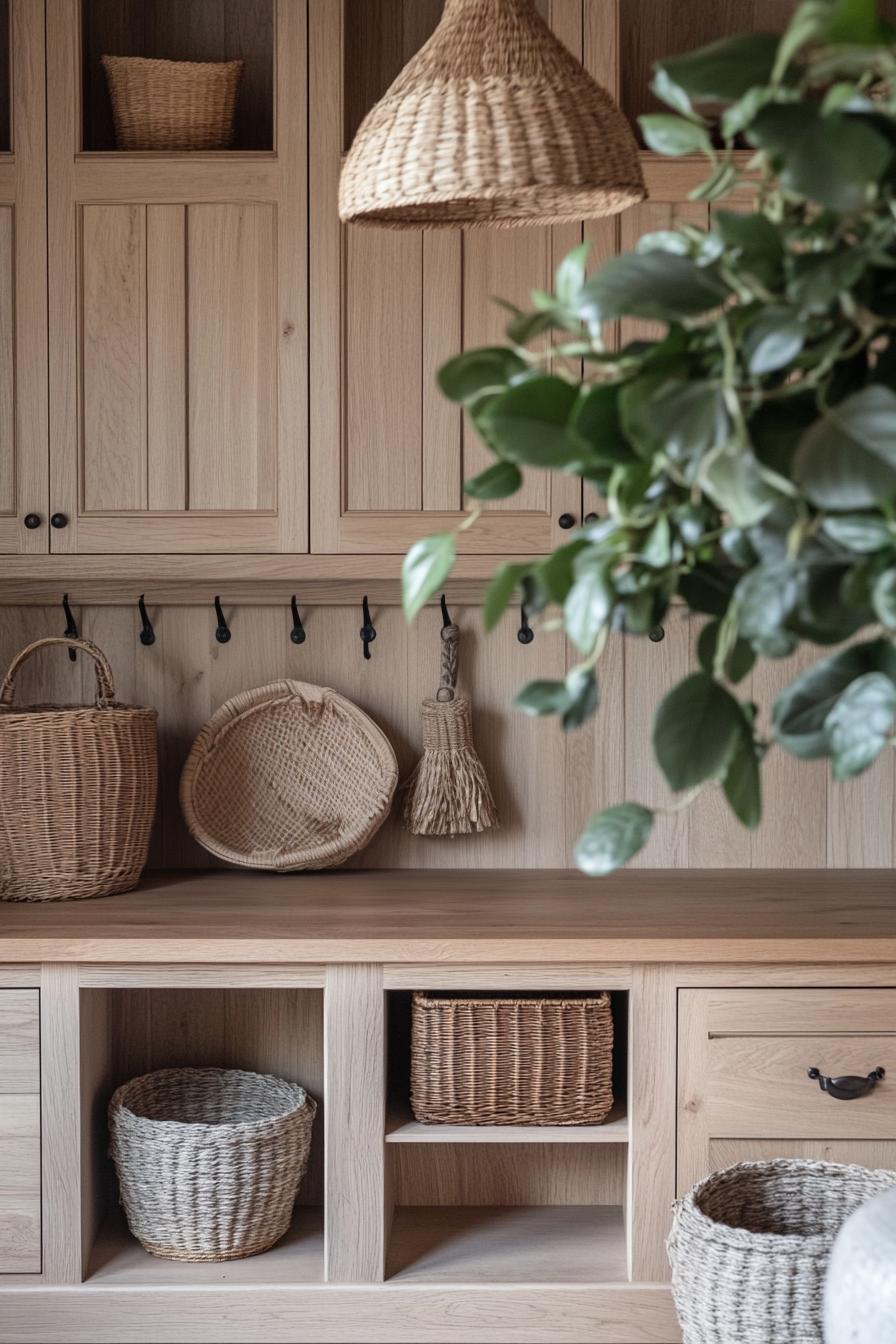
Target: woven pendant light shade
(493,122)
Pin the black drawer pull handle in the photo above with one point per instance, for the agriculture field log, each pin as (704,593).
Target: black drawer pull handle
(850,1087)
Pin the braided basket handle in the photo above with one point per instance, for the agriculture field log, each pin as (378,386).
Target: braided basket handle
(448,663)
(105,687)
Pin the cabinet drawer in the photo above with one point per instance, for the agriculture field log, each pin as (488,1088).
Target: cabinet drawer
(744,1089)
(20,1200)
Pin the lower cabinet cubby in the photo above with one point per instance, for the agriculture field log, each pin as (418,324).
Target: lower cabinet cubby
(504,1204)
(127,1032)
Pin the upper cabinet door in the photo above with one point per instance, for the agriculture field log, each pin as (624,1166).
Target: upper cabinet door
(178,291)
(23,280)
(389,455)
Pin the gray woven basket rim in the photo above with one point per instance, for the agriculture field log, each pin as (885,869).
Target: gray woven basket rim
(224,1131)
(772,1243)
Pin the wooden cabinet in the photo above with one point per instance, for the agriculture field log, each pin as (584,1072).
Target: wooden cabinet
(23,280)
(744,1089)
(19,1132)
(389,455)
(177,295)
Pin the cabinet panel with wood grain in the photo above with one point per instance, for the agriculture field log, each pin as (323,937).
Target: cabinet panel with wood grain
(178,391)
(20,1199)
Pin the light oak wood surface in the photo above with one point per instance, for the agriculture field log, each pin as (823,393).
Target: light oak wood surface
(20,1157)
(438,916)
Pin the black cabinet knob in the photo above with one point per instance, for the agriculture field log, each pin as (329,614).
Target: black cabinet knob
(32,520)
(591,517)
(59,520)
(566,521)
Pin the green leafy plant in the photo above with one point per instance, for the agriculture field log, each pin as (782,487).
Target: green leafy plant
(747,454)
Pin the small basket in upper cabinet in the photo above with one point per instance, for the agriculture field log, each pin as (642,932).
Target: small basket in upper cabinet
(527,1060)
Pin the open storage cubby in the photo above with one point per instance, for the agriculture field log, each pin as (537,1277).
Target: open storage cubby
(182,30)
(504,1203)
(126,1032)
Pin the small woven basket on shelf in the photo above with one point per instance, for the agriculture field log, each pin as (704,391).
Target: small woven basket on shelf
(172,105)
(209,1161)
(286,777)
(511,1061)
(77,790)
(750,1245)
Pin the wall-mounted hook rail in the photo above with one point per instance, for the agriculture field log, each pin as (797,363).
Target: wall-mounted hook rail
(525,634)
(147,634)
(446,615)
(297,634)
(222,633)
(368,630)
(71,625)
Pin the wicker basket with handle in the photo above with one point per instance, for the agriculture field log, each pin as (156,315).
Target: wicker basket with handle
(172,105)
(77,790)
(209,1161)
(750,1246)
(545,1060)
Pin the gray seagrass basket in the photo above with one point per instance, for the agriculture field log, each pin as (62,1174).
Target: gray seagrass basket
(209,1161)
(750,1245)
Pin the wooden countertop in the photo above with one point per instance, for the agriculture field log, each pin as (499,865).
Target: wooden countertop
(463,916)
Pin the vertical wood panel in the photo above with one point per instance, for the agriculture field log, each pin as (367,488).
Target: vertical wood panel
(231,252)
(355,1084)
(61,1123)
(653,1105)
(442,334)
(383,350)
(113,266)
(166,353)
(20,1184)
(8,446)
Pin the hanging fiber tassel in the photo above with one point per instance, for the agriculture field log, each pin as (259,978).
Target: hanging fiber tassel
(448,793)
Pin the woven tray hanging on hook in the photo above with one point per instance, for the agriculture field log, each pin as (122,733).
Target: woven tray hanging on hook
(448,793)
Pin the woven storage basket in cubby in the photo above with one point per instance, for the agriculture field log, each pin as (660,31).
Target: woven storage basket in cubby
(545,1060)
(750,1246)
(209,1161)
(172,105)
(77,789)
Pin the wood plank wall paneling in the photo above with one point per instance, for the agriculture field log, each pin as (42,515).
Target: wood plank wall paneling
(7,359)
(546,783)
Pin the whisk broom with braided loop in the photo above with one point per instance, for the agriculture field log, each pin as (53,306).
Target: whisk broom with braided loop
(449,792)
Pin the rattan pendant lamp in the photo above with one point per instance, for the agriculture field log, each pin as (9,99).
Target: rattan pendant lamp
(493,122)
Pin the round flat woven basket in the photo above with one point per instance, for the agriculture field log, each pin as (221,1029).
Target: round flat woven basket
(209,1161)
(750,1246)
(287,777)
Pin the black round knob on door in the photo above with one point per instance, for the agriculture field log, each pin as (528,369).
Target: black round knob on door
(59,520)
(591,517)
(31,521)
(566,521)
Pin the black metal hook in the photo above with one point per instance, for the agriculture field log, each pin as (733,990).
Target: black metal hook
(657,634)
(71,625)
(297,634)
(446,615)
(222,634)
(525,634)
(368,630)
(147,634)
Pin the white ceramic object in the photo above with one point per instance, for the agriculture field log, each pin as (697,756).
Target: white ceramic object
(860,1288)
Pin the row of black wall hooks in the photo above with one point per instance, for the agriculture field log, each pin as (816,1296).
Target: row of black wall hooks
(297,634)
(223,634)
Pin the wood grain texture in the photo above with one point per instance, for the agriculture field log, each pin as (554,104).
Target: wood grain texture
(479,917)
(19,1041)
(651,1164)
(512,1175)
(61,1125)
(113,317)
(7,363)
(355,1084)
(20,1199)
(268,1315)
(507,1245)
(166,357)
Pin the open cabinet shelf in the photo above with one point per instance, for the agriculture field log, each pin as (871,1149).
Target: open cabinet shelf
(401,1127)
(182,30)
(529,1244)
